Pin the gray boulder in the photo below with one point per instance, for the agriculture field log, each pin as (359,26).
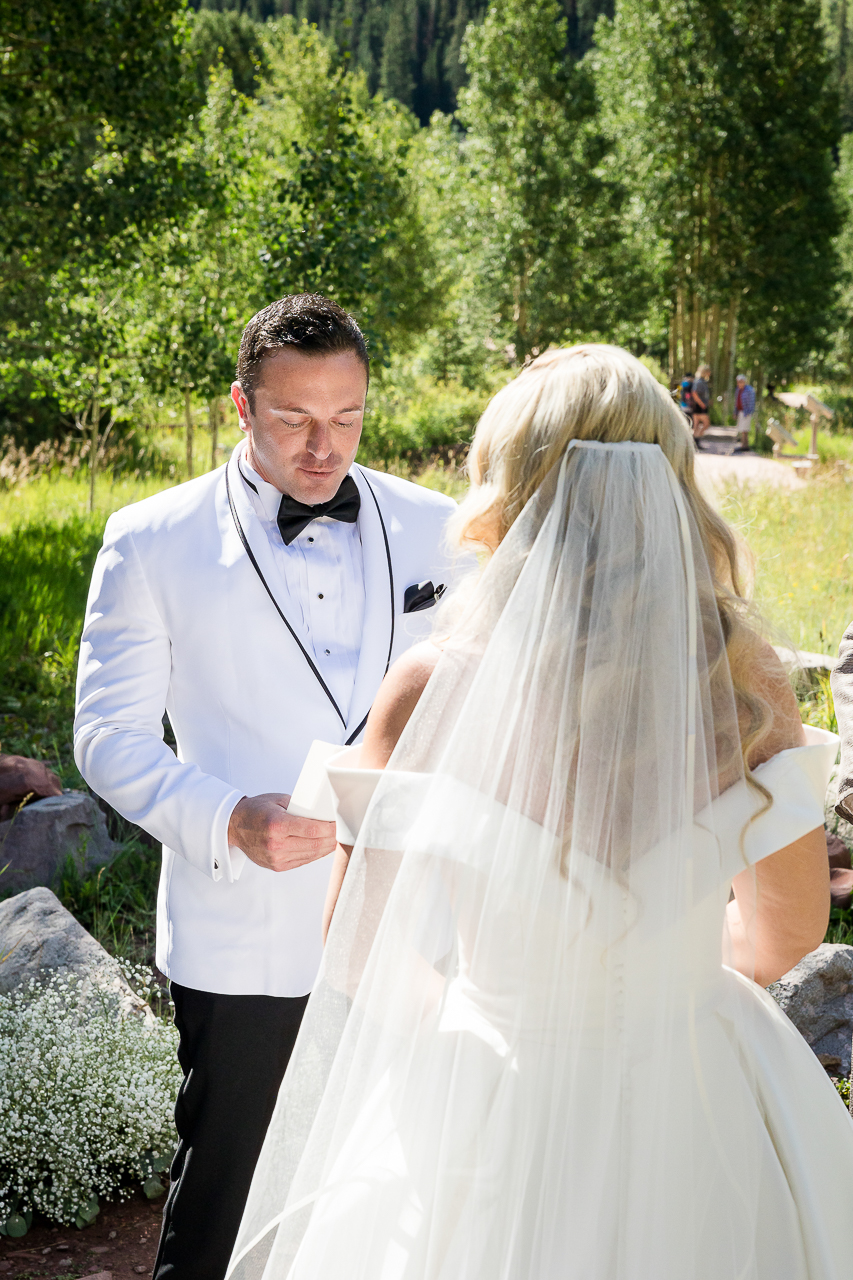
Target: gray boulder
(38,934)
(37,840)
(817,995)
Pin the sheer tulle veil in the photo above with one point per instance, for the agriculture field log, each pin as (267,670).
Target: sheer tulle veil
(503,1063)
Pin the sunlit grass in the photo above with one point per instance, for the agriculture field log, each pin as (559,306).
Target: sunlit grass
(802,541)
(830,447)
(55,498)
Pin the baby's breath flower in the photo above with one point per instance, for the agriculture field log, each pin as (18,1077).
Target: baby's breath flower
(86,1096)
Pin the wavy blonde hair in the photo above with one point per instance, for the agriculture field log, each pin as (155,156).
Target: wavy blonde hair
(599,392)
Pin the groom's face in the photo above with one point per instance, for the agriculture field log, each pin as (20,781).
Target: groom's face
(306,423)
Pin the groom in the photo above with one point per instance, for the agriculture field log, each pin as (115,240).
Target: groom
(260,606)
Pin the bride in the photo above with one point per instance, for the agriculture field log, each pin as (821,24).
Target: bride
(588,830)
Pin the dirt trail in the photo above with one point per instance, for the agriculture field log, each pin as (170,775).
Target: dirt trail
(121,1245)
(715,470)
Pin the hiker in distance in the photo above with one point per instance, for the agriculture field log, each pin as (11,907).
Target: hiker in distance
(260,606)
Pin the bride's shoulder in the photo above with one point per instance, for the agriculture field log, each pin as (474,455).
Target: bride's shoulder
(396,700)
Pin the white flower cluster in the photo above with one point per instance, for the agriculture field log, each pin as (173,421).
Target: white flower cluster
(86,1097)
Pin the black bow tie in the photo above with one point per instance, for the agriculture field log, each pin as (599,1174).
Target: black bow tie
(294,516)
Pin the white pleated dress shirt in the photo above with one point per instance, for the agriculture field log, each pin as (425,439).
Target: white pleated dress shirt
(319,588)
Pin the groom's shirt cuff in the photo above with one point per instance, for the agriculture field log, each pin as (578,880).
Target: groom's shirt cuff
(228,860)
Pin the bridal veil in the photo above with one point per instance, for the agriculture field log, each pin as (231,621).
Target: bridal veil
(521,1049)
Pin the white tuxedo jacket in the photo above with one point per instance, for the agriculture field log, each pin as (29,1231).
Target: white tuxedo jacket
(178,618)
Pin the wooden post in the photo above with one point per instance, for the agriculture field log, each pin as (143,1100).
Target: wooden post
(681,352)
(188,417)
(714,349)
(731,355)
(672,347)
(759,401)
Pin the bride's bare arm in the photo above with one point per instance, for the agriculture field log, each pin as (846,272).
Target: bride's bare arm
(389,715)
(781,907)
(396,700)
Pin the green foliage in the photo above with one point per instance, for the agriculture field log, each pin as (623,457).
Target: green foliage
(844,187)
(407,48)
(840,927)
(545,211)
(725,125)
(416,421)
(44,579)
(837,22)
(343,219)
(410,49)
(116,902)
(93,94)
(198,281)
(230,39)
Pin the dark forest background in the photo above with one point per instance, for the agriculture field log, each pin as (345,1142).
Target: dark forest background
(408,49)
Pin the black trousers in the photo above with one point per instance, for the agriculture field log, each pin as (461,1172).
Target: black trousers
(233,1052)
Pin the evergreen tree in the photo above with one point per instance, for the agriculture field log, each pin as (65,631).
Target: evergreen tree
(396,79)
(837,19)
(410,49)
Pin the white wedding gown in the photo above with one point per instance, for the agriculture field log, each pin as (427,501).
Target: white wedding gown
(753,1066)
(524,1059)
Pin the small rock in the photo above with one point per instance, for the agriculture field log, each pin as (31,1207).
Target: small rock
(100,1248)
(837,852)
(21,779)
(38,839)
(140,1271)
(817,995)
(99,1275)
(38,934)
(841,887)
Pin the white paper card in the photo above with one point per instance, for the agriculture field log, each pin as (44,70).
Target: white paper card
(313,796)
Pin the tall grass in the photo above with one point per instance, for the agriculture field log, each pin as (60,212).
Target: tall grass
(117,902)
(802,541)
(45,568)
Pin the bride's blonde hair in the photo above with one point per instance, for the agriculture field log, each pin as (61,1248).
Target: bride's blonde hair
(600,392)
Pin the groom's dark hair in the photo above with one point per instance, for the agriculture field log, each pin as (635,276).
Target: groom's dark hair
(305,321)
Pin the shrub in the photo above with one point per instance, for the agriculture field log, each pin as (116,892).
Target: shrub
(116,902)
(86,1096)
(418,423)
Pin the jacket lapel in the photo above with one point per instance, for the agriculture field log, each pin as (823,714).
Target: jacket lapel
(255,536)
(378,631)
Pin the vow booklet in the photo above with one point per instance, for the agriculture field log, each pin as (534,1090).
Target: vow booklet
(313,796)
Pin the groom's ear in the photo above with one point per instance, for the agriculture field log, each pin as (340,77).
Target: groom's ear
(241,404)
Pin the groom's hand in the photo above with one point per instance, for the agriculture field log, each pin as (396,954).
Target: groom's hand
(276,839)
